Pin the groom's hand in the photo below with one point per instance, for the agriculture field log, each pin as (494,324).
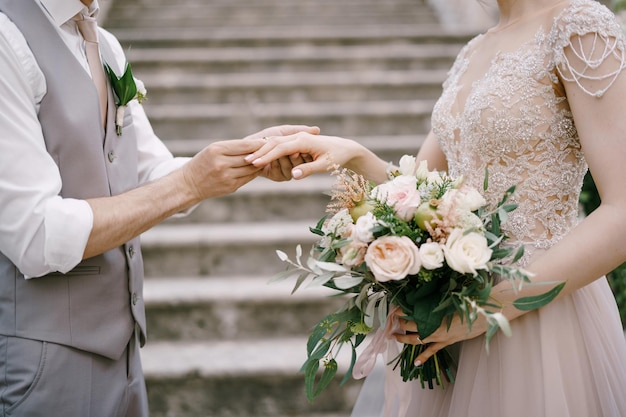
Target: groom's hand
(281,168)
(220,168)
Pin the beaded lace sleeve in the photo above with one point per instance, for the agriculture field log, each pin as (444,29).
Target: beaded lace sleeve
(589,47)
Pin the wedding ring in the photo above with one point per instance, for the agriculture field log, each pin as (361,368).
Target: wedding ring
(265,138)
(419,340)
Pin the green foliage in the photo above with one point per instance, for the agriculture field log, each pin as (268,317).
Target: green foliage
(590,200)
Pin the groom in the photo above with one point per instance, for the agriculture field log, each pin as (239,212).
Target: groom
(75,193)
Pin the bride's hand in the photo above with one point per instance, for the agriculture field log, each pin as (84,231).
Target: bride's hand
(280,168)
(324,151)
(441,338)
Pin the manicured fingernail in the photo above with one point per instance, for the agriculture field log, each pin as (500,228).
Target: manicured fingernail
(296,173)
(249,157)
(418,363)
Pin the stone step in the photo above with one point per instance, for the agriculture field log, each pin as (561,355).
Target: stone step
(394,117)
(286,13)
(233,308)
(277,59)
(307,33)
(232,249)
(258,377)
(271,87)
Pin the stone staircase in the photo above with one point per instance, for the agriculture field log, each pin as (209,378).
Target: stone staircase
(222,342)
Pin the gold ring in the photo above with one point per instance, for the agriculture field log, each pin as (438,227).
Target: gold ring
(419,340)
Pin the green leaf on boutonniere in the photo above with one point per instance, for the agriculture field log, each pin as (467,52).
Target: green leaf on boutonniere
(125,89)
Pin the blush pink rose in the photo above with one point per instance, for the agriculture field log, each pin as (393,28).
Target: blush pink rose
(402,194)
(392,258)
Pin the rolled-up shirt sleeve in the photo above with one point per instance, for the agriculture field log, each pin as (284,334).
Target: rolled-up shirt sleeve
(40,232)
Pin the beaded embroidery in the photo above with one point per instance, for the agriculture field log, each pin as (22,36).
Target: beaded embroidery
(516,123)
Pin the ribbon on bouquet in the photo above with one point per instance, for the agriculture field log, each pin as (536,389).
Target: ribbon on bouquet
(384,343)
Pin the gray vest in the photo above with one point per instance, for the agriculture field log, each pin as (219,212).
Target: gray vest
(95,306)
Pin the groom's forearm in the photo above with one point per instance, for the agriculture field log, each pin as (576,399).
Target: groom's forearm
(120,218)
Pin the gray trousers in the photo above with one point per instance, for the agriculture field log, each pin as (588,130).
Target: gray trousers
(42,379)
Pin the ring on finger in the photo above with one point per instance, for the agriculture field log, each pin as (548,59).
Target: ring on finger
(419,341)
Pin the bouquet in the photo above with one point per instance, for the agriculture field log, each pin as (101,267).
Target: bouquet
(422,242)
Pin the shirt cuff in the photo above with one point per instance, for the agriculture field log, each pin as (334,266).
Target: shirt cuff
(68,223)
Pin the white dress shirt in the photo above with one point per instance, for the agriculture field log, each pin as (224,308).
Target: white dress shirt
(40,232)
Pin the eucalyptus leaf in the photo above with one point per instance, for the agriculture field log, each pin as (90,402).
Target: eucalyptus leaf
(330,370)
(348,374)
(310,372)
(281,276)
(299,281)
(537,301)
(345,282)
(330,266)
(321,279)
(282,255)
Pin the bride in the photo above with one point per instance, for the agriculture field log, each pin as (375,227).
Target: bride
(537,100)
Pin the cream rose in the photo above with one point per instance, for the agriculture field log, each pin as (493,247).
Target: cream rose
(471,199)
(353,254)
(465,253)
(422,171)
(407,165)
(392,258)
(431,255)
(402,194)
(364,226)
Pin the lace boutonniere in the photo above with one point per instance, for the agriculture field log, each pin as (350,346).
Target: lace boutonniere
(126,88)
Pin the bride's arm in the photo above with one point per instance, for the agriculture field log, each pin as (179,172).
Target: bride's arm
(328,150)
(431,151)
(325,151)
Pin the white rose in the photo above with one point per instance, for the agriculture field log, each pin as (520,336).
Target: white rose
(408,165)
(431,255)
(402,194)
(471,199)
(392,258)
(422,171)
(433,177)
(364,226)
(465,253)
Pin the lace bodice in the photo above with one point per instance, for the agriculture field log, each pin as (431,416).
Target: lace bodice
(509,114)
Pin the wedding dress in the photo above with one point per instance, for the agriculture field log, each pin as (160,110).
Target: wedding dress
(503,107)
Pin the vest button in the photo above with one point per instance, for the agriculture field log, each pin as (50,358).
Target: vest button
(131,252)
(111,156)
(135,298)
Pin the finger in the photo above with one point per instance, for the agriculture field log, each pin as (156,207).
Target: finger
(287,130)
(285,166)
(238,147)
(407,325)
(309,168)
(409,338)
(428,352)
(295,160)
(277,147)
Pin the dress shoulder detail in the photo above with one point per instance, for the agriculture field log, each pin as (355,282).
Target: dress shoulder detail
(589,46)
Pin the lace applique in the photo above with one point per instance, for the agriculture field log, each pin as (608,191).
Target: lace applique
(516,122)
(589,47)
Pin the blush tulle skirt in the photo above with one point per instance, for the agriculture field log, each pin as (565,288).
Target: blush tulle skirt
(567,359)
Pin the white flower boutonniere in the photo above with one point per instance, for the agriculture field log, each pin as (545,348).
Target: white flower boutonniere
(126,88)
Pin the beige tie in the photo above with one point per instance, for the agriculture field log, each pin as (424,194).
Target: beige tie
(88,28)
